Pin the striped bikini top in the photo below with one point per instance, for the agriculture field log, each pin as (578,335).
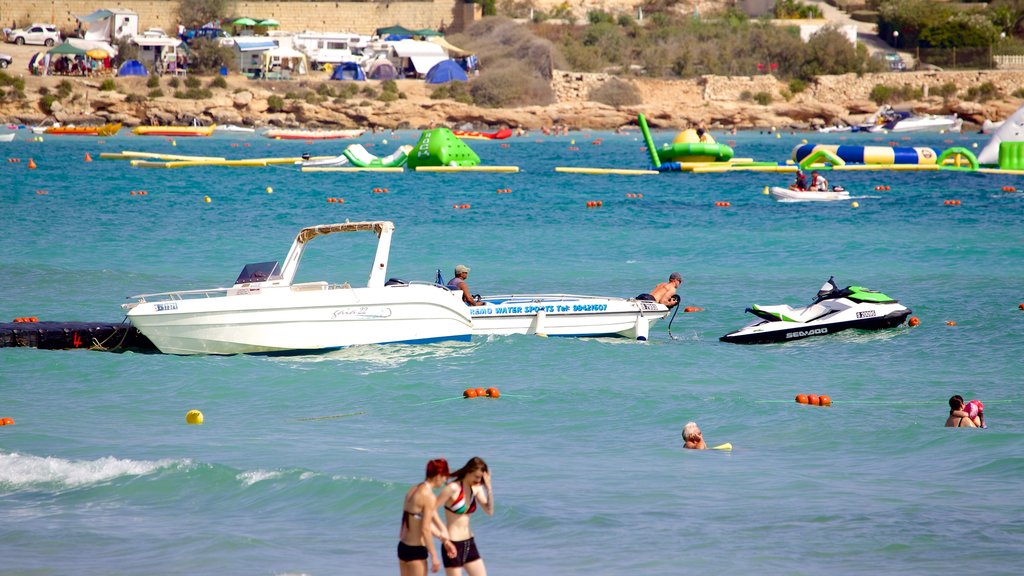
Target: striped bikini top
(461,505)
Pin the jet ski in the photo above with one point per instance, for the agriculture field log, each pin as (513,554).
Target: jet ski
(833,310)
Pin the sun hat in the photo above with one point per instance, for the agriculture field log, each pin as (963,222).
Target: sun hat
(461,268)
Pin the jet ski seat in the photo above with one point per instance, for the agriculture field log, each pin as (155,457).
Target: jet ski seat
(786,313)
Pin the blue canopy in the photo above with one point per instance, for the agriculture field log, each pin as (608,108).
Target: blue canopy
(446,71)
(132,68)
(348,71)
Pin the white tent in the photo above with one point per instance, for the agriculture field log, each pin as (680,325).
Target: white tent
(423,55)
(110,25)
(287,58)
(93,45)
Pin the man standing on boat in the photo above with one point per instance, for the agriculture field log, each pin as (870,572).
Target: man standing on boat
(459,283)
(665,293)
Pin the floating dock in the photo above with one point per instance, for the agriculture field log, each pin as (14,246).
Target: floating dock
(103,336)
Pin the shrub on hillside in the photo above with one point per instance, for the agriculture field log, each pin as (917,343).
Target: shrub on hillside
(885,94)
(983,92)
(108,85)
(207,56)
(616,93)
(275,103)
(153,82)
(763,98)
(510,84)
(452,91)
(192,82)
(946,91)
(218,82)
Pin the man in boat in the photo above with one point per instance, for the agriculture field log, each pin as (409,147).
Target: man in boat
(458,283)
(665,293)
(801,181)
(818,182)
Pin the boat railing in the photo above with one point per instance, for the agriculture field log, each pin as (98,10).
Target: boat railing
(183,294)
(524,298)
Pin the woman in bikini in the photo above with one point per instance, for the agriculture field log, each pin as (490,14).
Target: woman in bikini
(471,486)
(419,521)
(958,418)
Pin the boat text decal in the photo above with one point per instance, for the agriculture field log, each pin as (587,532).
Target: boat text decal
(361,312)
(166,307)
(533,309)
(803,333)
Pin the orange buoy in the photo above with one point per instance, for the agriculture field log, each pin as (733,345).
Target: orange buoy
(493,392)
(330,199)
(465,206)
(692,309)
(813,399)
(456,206)
(469,393)
(887,188)
(31,164)
(801,399)
(132,193)
(481,392)
(824,400)
(914,321)
(87,157)
(950,323)
(6,421)
(1021,305)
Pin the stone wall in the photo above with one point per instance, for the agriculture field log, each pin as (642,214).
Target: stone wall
(358,17)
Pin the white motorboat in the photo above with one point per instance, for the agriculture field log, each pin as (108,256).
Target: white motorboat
(566,315)
(9,137)
(232,128)
(792,195)
(906,122)
(265,312)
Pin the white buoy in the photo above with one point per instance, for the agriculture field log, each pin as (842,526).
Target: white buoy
(643,329)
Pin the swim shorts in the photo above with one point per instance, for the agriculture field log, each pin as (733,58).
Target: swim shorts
(408,553)
(466,552)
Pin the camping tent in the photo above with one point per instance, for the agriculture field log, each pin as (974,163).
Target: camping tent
(446,71)
(396,30)
(132,68)
(381,69)
(67,49)
(348,71)
(422,55)
(286,58)
(453,51)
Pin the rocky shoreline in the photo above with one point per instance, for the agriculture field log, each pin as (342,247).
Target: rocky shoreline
(720,102)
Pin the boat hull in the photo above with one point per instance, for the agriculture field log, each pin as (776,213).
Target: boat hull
(178,131)
(788,195)
(302,320)
(312,134)
(566,315)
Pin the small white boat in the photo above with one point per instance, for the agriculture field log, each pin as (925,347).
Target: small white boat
(988,126)
(566,315)
(791,195)
(833,129)
(232,128)
(905,122)
(265,312)
(9,137)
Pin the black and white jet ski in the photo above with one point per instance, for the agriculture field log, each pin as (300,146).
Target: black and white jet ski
(832,311)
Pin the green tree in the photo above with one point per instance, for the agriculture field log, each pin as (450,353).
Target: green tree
(195,13)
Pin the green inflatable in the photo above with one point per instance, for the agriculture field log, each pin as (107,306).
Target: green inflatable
(439,147)
(1011,155)
(359,156)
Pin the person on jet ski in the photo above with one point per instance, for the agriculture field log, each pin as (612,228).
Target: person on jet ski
(801,180)
(818,182)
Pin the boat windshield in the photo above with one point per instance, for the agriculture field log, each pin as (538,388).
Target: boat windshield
(258,272)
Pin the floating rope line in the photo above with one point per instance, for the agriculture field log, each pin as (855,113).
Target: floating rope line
(330,417)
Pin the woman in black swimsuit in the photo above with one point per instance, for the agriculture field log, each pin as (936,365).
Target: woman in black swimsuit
(419,521)
(958,418)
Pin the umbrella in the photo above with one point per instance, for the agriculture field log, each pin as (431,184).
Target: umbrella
(427,32)
(269,22)
(97,54)
(67,48)
(243,22)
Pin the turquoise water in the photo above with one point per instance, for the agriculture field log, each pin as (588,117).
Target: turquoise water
(302,462)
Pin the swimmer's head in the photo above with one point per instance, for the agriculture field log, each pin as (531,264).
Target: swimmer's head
(437,467)
(956,402)
(691,432)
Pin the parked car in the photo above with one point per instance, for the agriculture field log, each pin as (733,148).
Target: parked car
(222,37)
(895,61)
(45,34)
(5,60)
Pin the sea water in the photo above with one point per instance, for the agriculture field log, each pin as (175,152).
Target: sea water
(302,462)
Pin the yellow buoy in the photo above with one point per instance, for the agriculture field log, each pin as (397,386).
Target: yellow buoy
(974,144)
(855,204)
(174,143)
(765,191)
(270,190)
(206,199)
(194,417)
